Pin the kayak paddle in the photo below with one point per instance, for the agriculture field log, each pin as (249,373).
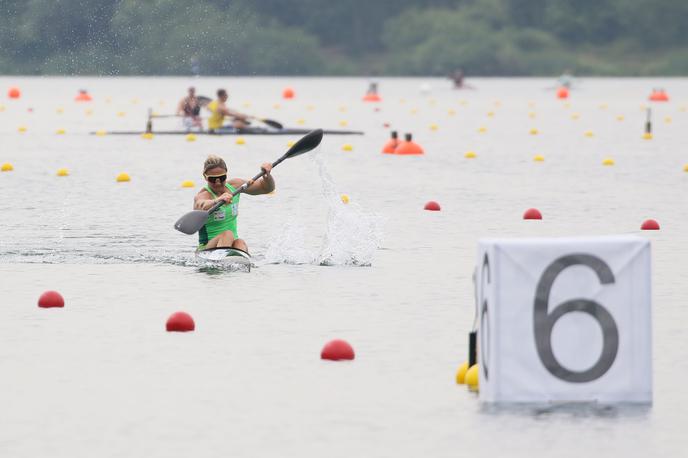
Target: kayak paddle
(193,221)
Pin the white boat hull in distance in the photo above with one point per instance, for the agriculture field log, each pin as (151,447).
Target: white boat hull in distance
(225,256)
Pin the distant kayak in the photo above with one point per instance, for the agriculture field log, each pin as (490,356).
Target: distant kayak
(226,256)
(233,131)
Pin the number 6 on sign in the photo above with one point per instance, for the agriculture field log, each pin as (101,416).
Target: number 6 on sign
(564,320)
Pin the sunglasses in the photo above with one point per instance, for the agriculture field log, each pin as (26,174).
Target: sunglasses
(217,178)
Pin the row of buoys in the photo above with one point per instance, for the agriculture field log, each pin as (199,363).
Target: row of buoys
(647,225)
(334,350)
(404,148)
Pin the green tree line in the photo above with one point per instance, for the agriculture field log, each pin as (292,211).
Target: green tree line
(354,37)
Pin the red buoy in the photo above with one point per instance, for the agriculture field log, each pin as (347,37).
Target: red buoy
(51,299)
(14,93)
(650,225)
(408,147)
(391,144)
(432,206)
(532,213)
(180,322)
(336,350)
(288,93)
(562,93)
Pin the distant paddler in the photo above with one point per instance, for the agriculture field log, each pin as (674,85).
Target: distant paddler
(220,229)
(219,111)
(190,108)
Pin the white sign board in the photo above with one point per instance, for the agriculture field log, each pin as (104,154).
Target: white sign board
(564,319)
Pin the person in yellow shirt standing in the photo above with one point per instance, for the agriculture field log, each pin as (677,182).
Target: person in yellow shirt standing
(219,111)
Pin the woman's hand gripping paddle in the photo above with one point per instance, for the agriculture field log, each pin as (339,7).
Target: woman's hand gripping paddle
(193,221)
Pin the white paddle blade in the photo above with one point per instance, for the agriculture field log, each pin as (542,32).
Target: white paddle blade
(192,222)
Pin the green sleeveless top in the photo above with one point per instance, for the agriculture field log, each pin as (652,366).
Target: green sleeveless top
(223,219)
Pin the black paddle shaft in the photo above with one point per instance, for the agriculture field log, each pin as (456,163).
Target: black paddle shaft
(193,221)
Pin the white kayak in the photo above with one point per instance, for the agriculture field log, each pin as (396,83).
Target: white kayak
(226,256)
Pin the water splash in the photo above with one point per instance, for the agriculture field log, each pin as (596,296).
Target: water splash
(351,238)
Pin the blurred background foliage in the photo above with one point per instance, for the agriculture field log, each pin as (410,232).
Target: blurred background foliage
(353,37)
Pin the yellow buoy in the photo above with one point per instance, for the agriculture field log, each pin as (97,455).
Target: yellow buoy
(685,168)
(147,135)
(121,114)
(101,133)
(482,129)
(123,177)
(2,107)
(62,172)
(190,137)
(575,116)
(463,103)
(451,112)
(347,147)
(300,121)
(589,133)
(433,127)
(532,115)
(603,106)
(667,119)
(21,129)
(538,158)
(59,111)
(7,167)
(470,155)
(620,118)
(608,161)
(461,373)
(188,184)
(240,141)
(490,114)
(343,123)
(472,376)
(414,111)
(60,131)
(290,143)
(647,136)
(88,112)
(534,131)
(345,198)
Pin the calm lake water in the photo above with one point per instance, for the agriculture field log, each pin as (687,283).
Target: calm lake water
(101,377)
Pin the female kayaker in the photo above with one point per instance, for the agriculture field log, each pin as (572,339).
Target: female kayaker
(220,230)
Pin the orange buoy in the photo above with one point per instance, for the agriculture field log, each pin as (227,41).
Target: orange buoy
(14,93)
(650,225)
(391,144)
(288,93)
(532,213)
(408,147)
(432,206)
(180,322)
(562,93)
(83,96)
(659,95)
(51,299)
(336,350)
(372,97)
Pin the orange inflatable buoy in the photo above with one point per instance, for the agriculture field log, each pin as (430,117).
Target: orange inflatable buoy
(372,97)
(83,96)
(408,147)
(562,93)
(659,95)
(14,93)
(391,144)
(288,93)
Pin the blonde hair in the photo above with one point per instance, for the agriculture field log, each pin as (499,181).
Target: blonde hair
(213,161)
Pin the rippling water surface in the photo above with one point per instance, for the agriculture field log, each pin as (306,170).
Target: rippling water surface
(102,378)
